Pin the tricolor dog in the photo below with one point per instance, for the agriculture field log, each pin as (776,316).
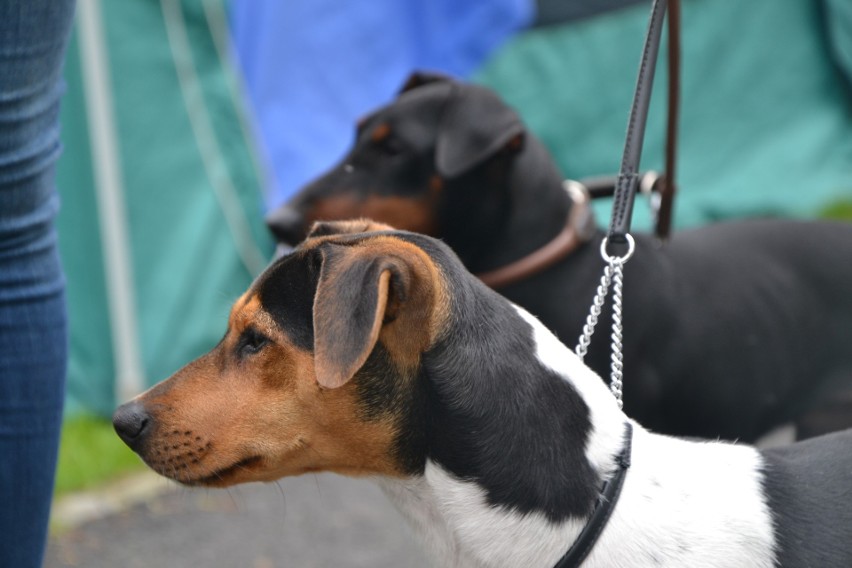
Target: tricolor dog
(731,329)
(377,354)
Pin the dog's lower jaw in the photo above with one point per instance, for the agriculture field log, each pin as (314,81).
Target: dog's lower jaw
(226,476)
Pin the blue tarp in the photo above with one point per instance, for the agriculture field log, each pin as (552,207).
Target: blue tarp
(312,67)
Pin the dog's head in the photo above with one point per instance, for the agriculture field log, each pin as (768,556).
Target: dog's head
(313,372)
(440,146)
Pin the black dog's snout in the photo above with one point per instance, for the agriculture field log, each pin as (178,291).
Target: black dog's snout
(132,424)
(287,224)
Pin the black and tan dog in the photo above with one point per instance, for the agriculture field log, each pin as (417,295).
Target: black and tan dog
(730,330)
(377,354)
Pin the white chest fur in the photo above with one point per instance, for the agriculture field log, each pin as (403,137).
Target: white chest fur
(683,503)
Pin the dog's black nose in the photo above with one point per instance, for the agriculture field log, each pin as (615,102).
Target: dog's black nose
(287,224)
(132,424)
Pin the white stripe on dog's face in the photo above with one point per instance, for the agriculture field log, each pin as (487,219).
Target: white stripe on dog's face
(607,436)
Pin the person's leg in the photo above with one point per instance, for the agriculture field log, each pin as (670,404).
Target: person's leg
(33,344)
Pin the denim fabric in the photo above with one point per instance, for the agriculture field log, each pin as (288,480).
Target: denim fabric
(33,343)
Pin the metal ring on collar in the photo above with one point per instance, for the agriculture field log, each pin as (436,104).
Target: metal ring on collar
(631,248)
(578,192)
(648,181)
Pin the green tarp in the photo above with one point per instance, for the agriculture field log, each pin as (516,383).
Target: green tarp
(766,116)
(191,193)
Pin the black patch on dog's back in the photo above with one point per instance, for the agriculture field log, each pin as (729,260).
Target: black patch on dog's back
(808,486)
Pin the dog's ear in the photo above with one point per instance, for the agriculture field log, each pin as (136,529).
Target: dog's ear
(356,294)
(362,225)
(476,124)
(420,78)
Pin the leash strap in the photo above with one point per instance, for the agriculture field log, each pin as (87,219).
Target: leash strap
(668,187)
(628,177)
(619,233)
(608,497)
(604,186)
(622,209)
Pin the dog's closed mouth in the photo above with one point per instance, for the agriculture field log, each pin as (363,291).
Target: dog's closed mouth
(222,476)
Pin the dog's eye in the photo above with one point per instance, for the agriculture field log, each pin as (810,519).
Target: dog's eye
(390,145)
(251,342)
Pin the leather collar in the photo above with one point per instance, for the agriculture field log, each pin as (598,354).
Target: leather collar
(579,228)
(607,499)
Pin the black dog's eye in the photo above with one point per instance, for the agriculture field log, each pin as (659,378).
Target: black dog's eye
(384,140)
(251,342)
(390,145)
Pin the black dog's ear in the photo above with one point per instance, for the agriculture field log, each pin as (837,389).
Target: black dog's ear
(476,124)
(420,78)
(354,297)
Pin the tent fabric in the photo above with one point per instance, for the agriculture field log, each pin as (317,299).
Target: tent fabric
(188,251)
(766,119)
(313,67)
(838,20)
(549,12)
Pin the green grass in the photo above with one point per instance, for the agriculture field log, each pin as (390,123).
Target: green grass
(90,453)
(842,211)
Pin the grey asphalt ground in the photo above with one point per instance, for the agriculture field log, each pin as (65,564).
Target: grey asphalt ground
(309,521)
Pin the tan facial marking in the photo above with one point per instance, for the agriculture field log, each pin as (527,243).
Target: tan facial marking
(260,419)
(380,132)
(405,213)
(226,418)
(436,184)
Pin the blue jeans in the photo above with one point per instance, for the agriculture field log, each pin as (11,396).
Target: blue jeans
(33,342)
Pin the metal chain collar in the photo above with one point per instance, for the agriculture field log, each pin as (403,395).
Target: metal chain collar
(613,274)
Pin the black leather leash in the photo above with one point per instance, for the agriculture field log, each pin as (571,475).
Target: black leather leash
(628,177)
(603,507)
(625,191)
(660,187)
(600,187)
(668,185)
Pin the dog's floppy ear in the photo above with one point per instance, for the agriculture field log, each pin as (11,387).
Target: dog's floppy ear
(356,294)
(476,124)
(420,78)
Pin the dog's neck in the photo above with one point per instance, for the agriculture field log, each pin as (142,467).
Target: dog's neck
(683,503)
(534,209)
